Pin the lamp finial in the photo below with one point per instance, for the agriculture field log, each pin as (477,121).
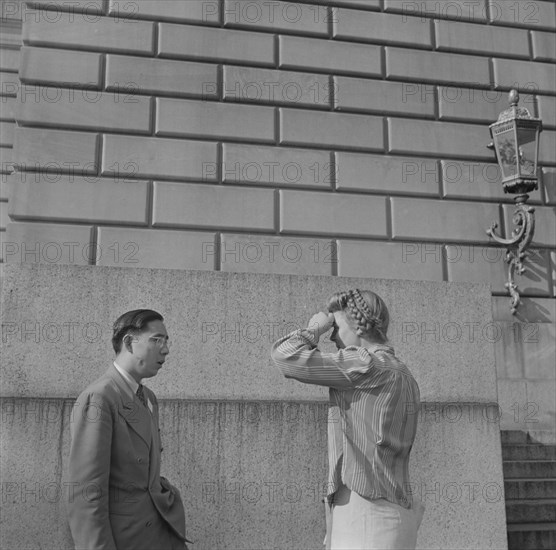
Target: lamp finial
(513,98)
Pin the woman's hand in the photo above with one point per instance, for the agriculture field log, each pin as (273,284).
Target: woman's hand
(320,323)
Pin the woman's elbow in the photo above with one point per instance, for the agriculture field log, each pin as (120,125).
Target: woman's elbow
(279,355)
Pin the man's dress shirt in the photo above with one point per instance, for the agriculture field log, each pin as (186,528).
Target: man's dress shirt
(133,385)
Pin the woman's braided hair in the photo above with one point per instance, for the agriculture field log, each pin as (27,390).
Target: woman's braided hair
(366,311)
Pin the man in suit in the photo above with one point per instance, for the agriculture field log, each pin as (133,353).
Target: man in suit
(118,500)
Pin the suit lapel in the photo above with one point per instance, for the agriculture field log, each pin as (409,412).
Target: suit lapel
(136,415)
(154,472)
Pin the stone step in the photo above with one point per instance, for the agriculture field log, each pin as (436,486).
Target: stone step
(529,452)
(533,469)
(519,437)
(516,489)
(513,437)
(532,536)
(530,511)
(546,437)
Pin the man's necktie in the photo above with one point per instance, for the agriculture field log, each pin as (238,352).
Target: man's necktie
(141,395)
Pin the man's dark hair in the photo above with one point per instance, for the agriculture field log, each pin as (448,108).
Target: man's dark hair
(132,322)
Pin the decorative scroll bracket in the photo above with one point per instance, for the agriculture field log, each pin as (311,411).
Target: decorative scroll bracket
(522,235)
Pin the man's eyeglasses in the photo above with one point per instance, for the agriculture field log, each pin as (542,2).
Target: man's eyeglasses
(160,341)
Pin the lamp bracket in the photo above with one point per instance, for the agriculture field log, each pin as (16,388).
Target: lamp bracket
(522,235)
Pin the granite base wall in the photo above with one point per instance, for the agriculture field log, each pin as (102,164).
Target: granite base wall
(253,473)
(246,447)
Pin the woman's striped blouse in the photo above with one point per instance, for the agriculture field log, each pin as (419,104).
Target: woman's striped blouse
(372,420)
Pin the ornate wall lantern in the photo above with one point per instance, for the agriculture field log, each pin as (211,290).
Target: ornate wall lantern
(516,143)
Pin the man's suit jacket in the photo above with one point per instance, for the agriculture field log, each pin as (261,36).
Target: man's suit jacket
(118,500)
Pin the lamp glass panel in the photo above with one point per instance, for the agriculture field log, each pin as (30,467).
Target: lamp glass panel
(527,139)
(505,148)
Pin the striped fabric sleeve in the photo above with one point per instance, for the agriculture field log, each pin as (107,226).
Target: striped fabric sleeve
(297,357)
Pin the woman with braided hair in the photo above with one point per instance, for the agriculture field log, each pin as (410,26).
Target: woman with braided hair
(372,422)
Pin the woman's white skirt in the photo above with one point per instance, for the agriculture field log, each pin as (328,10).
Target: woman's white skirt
(356,523)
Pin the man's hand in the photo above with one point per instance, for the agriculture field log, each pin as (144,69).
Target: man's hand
(320,323)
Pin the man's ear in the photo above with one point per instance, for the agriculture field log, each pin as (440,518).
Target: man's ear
(127,342)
